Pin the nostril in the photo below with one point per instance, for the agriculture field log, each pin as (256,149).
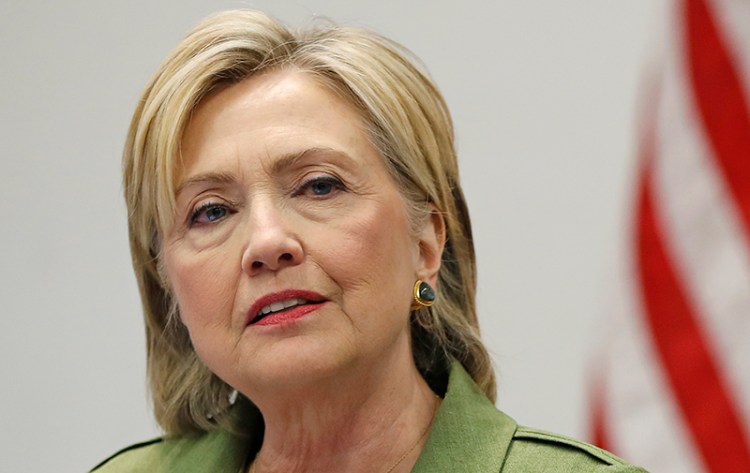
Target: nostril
(271,258)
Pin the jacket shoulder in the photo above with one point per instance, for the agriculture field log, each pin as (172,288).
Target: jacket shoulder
(139,457)
(217,451)
(538,451)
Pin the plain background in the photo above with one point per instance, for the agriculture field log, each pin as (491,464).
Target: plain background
(544,97)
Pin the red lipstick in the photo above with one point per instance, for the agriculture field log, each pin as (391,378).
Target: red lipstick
(284,306)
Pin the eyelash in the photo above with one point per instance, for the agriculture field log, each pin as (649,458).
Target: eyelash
(335,183)
(195,214)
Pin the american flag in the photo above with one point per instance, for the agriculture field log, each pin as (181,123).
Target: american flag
(672,392)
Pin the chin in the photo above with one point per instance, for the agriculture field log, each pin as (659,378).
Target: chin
(296,364)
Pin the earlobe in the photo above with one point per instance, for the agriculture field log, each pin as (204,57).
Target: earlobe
(431,244)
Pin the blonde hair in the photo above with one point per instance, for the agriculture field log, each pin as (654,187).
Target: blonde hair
(408,122)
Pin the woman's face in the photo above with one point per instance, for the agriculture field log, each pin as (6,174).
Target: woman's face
(284,205)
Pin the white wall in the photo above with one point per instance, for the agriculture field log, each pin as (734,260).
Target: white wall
(543,95)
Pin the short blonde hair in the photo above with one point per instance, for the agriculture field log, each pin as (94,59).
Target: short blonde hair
(408,122)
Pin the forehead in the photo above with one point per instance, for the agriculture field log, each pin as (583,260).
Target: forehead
(275,113)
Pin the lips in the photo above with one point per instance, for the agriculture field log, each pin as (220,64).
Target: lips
(283,306)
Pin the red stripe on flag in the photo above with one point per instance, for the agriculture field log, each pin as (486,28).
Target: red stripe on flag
(721,102)
(599,435)
(697,385)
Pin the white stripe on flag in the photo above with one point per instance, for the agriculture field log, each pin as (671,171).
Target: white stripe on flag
(636,390)
(733,16)
(703,231)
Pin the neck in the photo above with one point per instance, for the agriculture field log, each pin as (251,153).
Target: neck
(371,420)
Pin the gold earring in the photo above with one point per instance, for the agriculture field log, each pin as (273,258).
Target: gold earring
(424,295)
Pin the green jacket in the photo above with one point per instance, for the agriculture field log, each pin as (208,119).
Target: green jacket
(468,435)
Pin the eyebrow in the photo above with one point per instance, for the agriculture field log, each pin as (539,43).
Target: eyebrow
(284,161)
(209,177)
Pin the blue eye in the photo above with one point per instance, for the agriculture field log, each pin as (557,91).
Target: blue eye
(208,213)
(320,186)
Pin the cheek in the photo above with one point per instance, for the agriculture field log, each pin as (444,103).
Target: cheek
(204,287)
(373,262)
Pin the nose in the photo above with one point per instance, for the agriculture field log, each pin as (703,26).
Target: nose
(272,242)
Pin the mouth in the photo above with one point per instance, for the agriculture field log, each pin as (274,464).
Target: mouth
(283,306)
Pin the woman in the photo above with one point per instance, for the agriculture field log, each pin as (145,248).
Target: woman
(300,237)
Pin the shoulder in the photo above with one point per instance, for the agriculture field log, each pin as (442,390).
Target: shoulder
(470,434)
(534,450)
(142,456)
(216,451)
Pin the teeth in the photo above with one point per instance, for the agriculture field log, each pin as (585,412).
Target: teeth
(277,306)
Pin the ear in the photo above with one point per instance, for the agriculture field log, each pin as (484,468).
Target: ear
(431,244)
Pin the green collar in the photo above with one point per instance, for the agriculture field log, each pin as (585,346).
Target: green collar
(468,434)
